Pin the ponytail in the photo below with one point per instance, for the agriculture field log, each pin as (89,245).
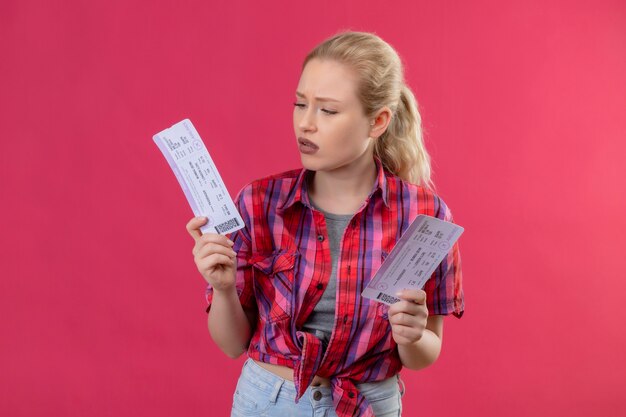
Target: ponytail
(401,148)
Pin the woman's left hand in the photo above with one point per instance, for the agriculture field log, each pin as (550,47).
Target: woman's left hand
(408,317)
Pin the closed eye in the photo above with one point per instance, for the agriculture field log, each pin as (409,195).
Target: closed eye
(329,112)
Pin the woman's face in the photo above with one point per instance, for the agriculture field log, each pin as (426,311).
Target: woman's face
(328,113)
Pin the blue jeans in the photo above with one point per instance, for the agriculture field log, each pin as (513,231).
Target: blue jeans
(260,392)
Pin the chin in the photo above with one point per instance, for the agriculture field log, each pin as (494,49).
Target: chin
(319,165)
(312,164)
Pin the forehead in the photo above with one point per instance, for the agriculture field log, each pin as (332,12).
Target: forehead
(328,78)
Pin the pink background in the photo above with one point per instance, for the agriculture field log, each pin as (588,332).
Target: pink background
(524,105)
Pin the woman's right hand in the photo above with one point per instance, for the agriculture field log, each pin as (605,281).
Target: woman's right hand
(214,257)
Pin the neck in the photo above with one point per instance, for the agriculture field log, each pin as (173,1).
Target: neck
(344,188)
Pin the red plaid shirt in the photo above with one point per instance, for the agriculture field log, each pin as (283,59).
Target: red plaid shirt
(284,264)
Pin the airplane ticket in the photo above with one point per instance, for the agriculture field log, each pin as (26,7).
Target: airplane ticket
(413,259)
(197,175)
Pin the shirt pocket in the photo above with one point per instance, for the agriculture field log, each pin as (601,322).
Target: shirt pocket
(274,283)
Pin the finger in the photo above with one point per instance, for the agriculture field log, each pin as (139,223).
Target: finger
(402,319)
(417,318)
(408,333)
(214,260)
(404,306)
(211,238)
(415,296)
(409,310)
(209,249)
(193,226)
(216,238)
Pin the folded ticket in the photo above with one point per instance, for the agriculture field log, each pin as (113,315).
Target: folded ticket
(413,259)
(198,177)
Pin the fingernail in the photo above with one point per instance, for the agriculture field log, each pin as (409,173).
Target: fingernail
(230,242)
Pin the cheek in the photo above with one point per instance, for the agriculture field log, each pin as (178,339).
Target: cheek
(346,132)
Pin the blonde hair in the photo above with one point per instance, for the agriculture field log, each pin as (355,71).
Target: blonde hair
(381,83)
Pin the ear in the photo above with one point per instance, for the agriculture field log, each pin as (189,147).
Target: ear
(380,122)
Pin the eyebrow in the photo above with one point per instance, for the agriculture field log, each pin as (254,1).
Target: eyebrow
(299,94)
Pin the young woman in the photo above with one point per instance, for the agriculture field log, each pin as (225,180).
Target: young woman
(287,288)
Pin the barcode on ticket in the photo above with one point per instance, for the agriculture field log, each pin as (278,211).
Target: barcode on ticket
(227,225)
(387,298)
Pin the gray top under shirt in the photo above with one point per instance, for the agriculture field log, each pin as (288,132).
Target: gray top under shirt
(322,319)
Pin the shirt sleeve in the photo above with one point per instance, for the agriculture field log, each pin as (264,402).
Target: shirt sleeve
(243,246)
(444,289)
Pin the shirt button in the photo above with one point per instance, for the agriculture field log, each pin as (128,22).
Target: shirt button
(317,395)
(320,237)
(320,286)
(345,319)
(350,394)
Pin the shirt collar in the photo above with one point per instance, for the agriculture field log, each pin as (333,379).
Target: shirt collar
(299,190)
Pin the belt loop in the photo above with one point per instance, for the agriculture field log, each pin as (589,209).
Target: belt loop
(277,386)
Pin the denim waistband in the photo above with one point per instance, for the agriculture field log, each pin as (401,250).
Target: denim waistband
(265,379)
(269,381)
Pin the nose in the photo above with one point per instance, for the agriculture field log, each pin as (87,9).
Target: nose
(307,120)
